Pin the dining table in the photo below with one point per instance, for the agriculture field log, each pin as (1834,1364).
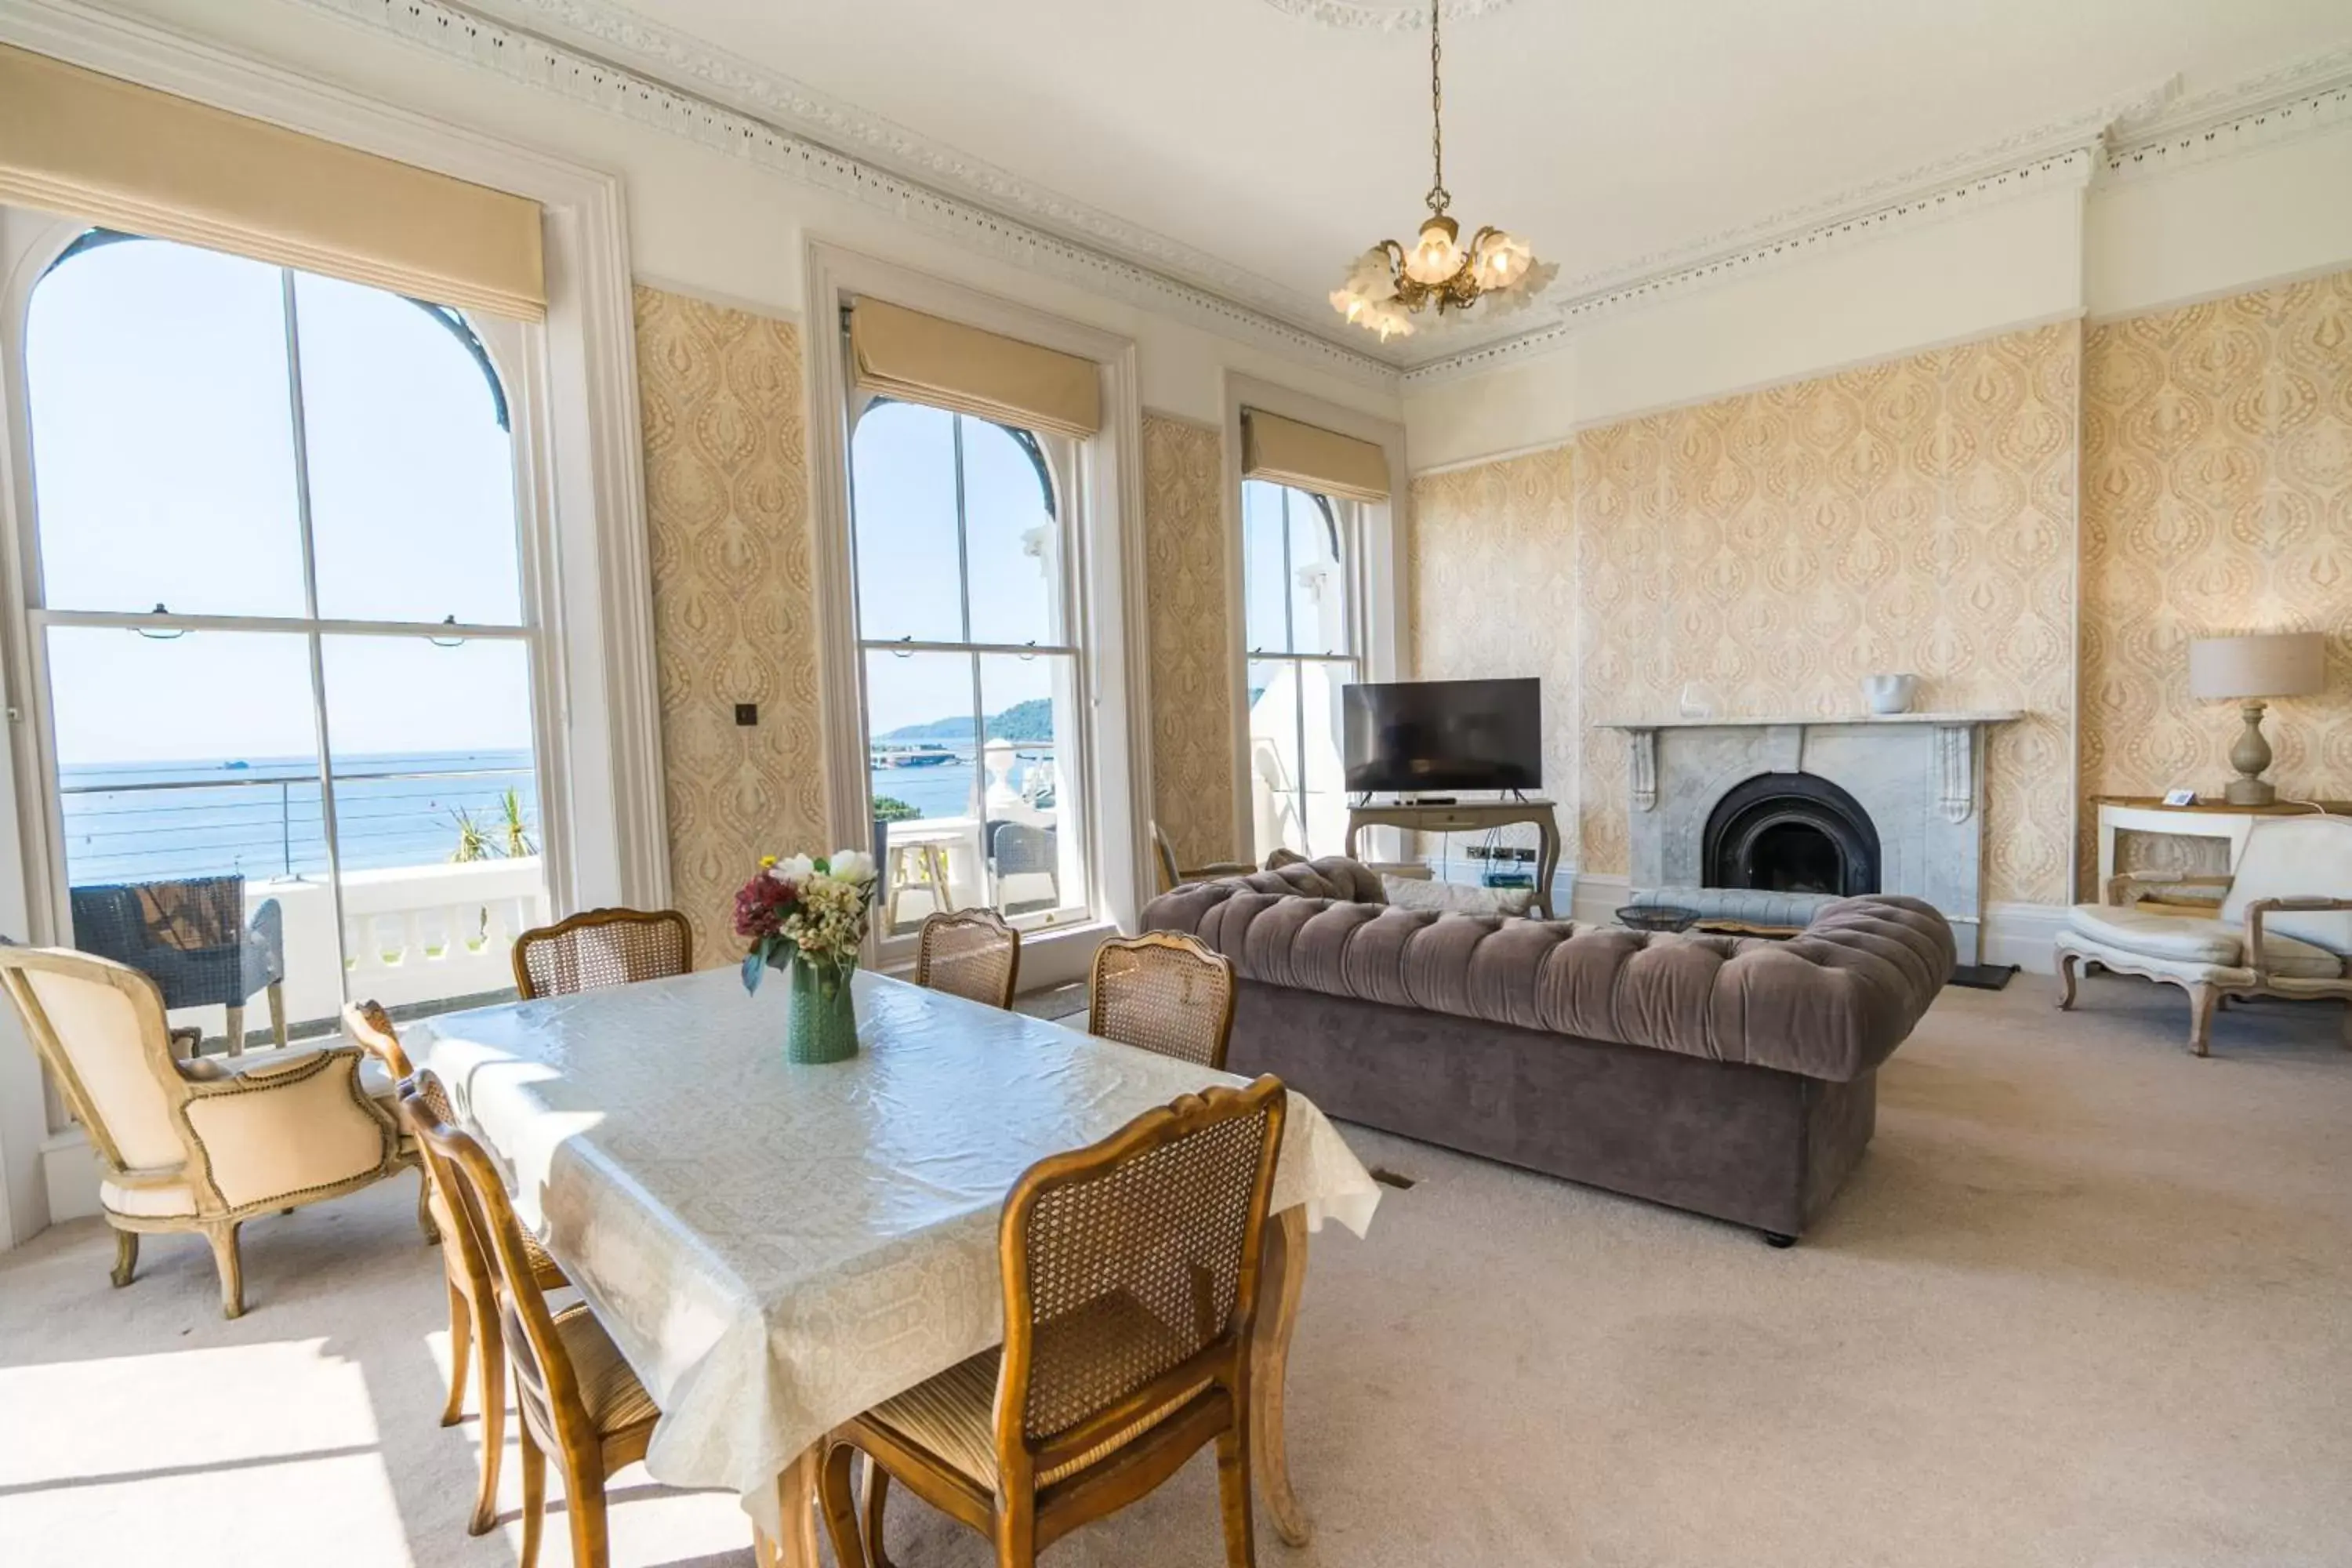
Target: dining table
(777,1247)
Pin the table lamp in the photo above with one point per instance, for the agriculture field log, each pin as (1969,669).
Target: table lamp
(2247,669)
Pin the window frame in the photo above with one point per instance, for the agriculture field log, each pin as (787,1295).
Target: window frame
(32,704)
(1343,518)
(1106,488)
(1055,458)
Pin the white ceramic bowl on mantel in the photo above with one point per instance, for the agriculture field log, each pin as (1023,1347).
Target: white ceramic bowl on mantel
(1890,693)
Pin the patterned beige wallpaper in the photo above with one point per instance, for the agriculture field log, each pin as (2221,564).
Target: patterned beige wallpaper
(1191,654)
(734,601)
(1491,567)
(1916,515)
(2216,497)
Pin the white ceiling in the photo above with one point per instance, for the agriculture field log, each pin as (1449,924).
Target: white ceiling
(1255,146)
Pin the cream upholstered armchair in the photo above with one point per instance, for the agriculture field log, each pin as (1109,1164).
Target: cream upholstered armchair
(192,1146)
(2284,926)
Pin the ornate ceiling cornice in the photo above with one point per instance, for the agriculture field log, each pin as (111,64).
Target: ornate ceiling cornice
(1396,16)
(1063,250)
(665,79)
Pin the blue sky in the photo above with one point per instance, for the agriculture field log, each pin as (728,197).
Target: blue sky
(164,472)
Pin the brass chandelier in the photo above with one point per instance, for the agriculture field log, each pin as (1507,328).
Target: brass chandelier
(1389,285)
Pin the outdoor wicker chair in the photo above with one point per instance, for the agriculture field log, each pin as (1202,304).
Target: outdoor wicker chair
(1131,1280)
(974,953)
(1024,849)
(597,948)
(192,938)
(1164,992)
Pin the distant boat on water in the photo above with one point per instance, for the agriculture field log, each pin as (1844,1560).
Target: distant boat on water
(927,755)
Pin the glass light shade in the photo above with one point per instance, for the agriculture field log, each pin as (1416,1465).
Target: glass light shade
(1502,261)
(1437,255)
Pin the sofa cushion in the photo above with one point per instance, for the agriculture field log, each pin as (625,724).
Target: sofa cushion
(2192,939)
(1831,1003)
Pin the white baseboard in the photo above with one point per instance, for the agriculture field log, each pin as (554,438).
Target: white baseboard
(2022,934)
(70,1170)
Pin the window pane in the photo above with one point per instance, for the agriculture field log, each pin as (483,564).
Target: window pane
(1276,805)
(196,758)
(1318,584)
(903,512)
(1324,808)
(1011,539)
(919,714)
(162,440)
(437,811)
(412,477)
(1035,837)
(1264,583)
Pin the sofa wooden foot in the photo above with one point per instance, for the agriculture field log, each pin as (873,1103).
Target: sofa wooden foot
(1773,1239)
(2067,962)
(2202,999)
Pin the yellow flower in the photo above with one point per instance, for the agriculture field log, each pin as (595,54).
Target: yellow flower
(766,861)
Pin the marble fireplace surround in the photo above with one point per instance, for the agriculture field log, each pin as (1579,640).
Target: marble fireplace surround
(1919,775)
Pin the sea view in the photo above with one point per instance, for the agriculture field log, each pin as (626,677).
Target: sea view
(136,822)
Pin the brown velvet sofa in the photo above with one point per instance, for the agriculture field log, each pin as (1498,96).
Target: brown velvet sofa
(1731,1076)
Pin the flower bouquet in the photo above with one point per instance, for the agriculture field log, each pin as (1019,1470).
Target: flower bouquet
(808,918)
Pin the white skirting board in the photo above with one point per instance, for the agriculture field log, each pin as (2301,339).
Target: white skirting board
(2013,933)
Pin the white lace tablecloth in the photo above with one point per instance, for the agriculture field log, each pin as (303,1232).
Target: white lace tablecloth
(776,1248)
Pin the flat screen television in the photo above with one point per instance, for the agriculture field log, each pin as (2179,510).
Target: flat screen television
(1426,735)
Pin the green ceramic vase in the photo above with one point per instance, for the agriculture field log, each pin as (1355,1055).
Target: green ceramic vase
(823,1023)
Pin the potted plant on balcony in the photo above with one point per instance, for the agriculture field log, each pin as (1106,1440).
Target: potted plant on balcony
(808,918)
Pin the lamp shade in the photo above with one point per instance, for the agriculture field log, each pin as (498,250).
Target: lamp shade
(2266,664)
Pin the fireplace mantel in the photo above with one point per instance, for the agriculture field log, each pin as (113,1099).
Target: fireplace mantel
(1920,776)
(1987,716)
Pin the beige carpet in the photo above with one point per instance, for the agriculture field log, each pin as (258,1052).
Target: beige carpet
(2087,1301)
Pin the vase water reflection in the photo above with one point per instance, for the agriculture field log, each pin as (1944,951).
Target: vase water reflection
(823,1023)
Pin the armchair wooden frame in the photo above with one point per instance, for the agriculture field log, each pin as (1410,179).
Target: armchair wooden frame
(189,1102)
(552,1396)
(939,930)
(589,920)
(1163,854)
(2206,996)
(1105,1461)
(1195,957)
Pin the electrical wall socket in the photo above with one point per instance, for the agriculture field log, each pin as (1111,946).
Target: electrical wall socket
(1499,852)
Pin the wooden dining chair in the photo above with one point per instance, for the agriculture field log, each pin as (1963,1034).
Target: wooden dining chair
(597,948)
(1164,992)
(974,954)
(1131,1280)
(1173,876)
(477,1337)
(367,1026)
(574,1390)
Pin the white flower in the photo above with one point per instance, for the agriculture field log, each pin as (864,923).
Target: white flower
(794,869)
(852,866)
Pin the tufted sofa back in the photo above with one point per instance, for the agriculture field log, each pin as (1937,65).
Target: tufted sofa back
(1831,1002)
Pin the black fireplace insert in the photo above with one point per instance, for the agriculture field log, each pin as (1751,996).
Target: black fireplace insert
(1791,833)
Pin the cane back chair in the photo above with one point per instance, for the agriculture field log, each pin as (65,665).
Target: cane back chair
(1130,1279)
(192,1146)
(1164,992)
(473,1307)
(1171,875)
(574,1392)
(974,954)
(597,948)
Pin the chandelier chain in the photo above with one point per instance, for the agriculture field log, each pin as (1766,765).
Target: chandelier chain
(1439,196)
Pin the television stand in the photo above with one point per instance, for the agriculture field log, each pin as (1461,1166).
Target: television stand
(1470,816)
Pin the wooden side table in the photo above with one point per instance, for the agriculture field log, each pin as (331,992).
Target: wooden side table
(1470,816)
(2206,819)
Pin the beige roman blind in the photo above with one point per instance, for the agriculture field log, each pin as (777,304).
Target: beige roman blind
(1310,458)
(906,353)
(128,157)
